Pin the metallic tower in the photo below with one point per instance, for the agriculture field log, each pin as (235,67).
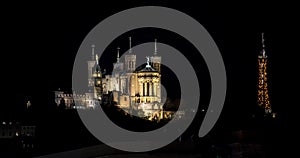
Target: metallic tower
(263,93)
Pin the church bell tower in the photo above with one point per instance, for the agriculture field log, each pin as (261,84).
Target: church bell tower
(156,60)
(130,59)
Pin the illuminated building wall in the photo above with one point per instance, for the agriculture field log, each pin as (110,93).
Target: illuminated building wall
(135,89)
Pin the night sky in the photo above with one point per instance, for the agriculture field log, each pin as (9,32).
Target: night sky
(42,42)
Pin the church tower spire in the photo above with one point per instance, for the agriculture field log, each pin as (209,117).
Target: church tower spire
(91,65)
(130,59)
(118,55)
(93,52)
(155,48)
(130,50)
(156,60)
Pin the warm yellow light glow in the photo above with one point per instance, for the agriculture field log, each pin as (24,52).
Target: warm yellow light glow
(263,95)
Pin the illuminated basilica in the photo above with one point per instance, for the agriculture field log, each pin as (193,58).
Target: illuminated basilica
(135,90)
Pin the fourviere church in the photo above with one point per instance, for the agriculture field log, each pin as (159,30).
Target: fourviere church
(135,90)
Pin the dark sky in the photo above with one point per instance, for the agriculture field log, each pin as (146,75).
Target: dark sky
(42,41)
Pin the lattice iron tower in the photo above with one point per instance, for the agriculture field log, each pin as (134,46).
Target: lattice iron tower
(263,92)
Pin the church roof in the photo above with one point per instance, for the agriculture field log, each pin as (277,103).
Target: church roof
(148,69)
(145,68)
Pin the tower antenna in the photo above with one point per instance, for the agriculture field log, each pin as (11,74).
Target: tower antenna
(263,45)
(263,40)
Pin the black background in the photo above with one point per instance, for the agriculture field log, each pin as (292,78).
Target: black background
(41,41)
